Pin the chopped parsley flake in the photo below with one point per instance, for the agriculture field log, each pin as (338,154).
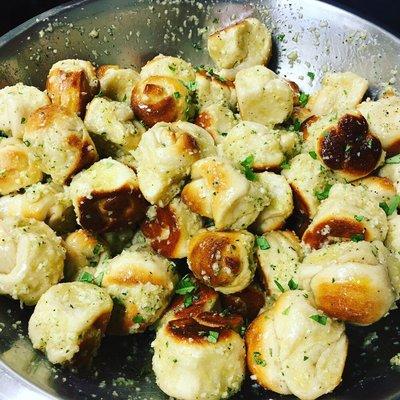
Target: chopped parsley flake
(242,330)
(191,86)
(303,99)
(393,160)
(258,359)
(138,319)
(392,206)
(86,277)
(279,286)
(324,194)
(247,169)
(285,165)
(296,126)
(89,278)
(311,75)
(321,319)
(213,336)
(27,143)
(293,285)
(313,154)
(188,300)
(280,37)
(358,237)
(177,95)
(23,120)
(186,285)
(286,311)
(359,218)
(262,243)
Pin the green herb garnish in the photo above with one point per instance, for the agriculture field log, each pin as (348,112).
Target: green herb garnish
(191,86)
(393,160)
(280,37)
(286,311)
(186,285)
(359,218)
(86,277)
(357,237)
(262,243)
(138,319)
(321,319)
(311,75)
(285,165)
(247,169)
(303,99)
(213,336)
(258,360)
(324,194)
(293,285)
(313,154)
(392,206)
(279,286)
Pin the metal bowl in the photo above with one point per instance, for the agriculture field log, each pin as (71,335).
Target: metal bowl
(318,37)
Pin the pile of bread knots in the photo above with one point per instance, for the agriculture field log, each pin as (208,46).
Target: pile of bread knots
(245,220)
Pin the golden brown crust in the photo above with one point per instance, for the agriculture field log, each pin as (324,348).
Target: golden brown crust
(246,303)
(306,124)
(18,168)
(204,299)
(218,320)
(124,278)
(102,69)
(164,221)
(122,319)
(88,154)
(208,250)
(189,329)
(91,342)
(108,211)
(349,301)
(70,90)
(46,117)
(253,340)
(160,98)
(394,148)
(330,229)
(189,196)
(349,148)
(296,91)
(204,120)
(300,218)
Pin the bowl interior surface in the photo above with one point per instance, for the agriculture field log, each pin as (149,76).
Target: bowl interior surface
(317,38)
